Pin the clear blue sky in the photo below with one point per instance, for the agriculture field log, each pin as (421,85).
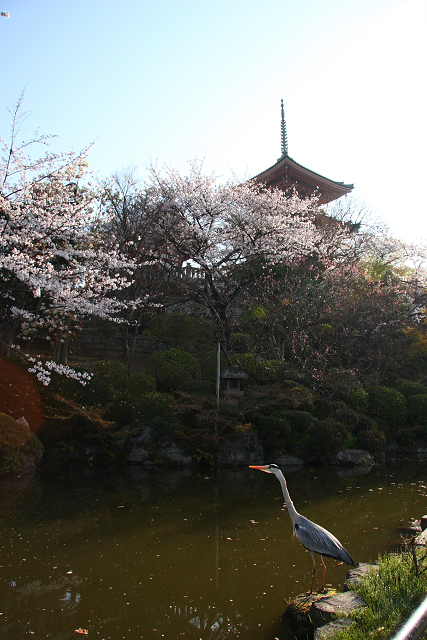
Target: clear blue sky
(171,80)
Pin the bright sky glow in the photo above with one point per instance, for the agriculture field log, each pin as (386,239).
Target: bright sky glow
(167,81)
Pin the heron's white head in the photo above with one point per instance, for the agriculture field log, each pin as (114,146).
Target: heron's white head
(268,468)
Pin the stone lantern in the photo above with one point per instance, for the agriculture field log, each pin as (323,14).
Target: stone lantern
(234,375)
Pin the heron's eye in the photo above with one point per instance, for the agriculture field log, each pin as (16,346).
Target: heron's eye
(274,466)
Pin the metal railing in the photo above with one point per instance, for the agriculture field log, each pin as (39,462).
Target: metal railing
(414,625)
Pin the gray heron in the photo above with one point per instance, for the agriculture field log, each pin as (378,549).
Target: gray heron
(312,536)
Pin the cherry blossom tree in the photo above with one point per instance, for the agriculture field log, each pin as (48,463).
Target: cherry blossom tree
(55,265)
(128,219)
(219,229)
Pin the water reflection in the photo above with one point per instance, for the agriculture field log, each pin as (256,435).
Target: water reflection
(153,553)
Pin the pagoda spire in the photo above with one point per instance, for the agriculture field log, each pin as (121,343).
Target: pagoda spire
(283,134)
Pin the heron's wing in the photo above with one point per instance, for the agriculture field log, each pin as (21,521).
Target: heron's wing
(315,538)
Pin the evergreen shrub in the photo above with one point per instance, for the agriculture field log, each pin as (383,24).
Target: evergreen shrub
(325,438)
(389,406)
(173,367)
(409,389)
(119,411)
(199,387)
(322,406)
(109,380)
(153,405)
(298,396)
(260,368)
(358,399)
(373,441)
(300,421)
(275,432)
(417,409)
(139,384)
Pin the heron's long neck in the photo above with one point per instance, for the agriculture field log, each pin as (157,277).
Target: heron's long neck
(289,504)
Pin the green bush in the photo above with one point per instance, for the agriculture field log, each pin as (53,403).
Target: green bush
(260,368)
(109,380)
(173,367)
(389,406)
(139,384)
(409,388)
(373,441)
(179,330)
(153,405)
(325,439)
(417,409)
(119,411)
(323,407)
(275,432)
(199,387)
(298,396)
(358,399)
(208,364)
(300,421)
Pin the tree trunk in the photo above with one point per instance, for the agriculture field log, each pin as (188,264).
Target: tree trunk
(134,339)
(126,345)
(64,345)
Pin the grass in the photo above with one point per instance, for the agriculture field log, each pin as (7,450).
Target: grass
(391,594)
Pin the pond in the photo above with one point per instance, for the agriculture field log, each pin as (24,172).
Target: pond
(159,553)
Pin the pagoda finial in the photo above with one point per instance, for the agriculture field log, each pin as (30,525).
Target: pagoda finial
(284,134)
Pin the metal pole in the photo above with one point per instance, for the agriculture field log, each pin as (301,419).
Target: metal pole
(414,625)
(218,369)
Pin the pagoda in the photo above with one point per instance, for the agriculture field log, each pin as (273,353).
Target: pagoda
(289,176)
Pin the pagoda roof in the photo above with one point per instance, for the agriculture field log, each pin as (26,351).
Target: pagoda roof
(288,175)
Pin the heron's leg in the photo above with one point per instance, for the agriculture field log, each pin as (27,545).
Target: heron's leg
(314,570)
(324,574)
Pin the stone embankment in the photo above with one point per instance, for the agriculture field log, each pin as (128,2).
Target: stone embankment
(323,614)
(237,449)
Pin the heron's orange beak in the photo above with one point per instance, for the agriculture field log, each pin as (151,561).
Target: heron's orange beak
(260,467)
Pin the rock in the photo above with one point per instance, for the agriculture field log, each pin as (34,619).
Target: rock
(138,454)
(240,449)
(22,421)
(326,609)
(172,453)
(145,435)
(422,538)
(298,612)
(288,461)
(355,575)
(409,528)
(329,630)
(138,450)
(354,457)
(20,450)
(308,612)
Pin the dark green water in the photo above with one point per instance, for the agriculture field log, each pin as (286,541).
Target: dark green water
(182,554)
